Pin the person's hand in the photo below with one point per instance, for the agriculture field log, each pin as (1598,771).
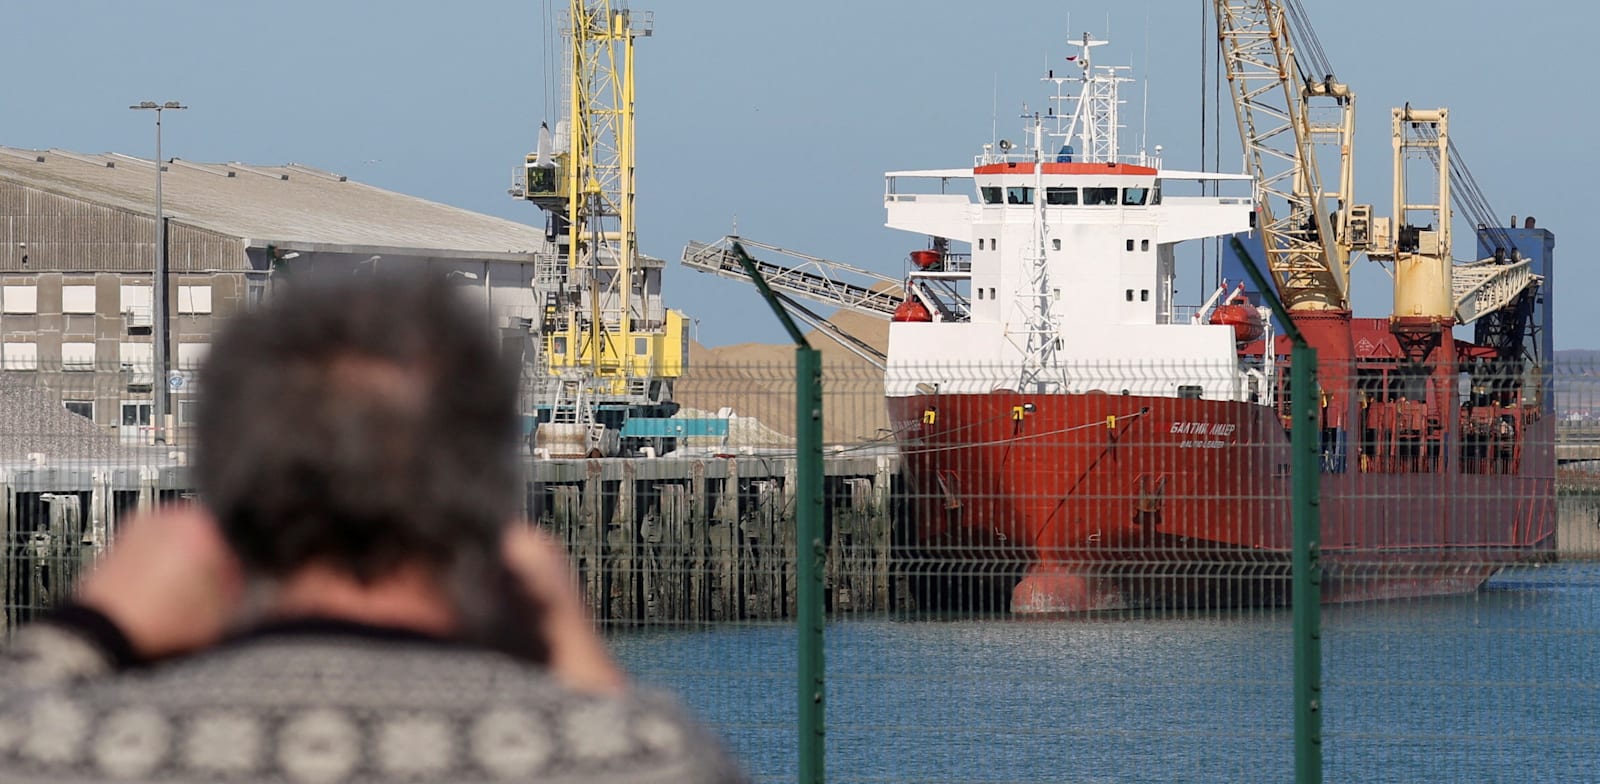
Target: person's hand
(578,656)
(169,582)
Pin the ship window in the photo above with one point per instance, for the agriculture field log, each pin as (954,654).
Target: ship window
(1055,244)
(1189,391)
(991,292)
(1019,195)
(1061,197)
(1144,295)
(991,194)
(1130,295)
(980,243)
(980,292)
(1134,197)
(1155,196)
(1130,244)
(1055,294)
(1096,197)
(1144,245)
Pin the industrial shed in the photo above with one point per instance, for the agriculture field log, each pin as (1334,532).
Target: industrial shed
(77,259)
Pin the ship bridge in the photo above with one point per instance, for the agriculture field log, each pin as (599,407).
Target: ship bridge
(1032,257)
(950,207)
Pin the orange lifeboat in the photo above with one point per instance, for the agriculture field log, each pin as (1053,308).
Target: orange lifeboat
(1242,316)
(912,310)
(926,259)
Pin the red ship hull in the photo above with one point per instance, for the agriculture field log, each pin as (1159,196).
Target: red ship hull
(1104,501)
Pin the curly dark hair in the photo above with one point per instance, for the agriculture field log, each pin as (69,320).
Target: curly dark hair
(362,423)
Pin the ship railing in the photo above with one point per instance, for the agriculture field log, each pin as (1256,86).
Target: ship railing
(927,198)
(955,265)
(1170,200)
(992,158)
(1183,314)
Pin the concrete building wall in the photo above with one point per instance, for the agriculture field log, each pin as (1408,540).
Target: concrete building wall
(84,271)
(117,368)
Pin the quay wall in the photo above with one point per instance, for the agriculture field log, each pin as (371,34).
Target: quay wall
(670,540)
(1578,524)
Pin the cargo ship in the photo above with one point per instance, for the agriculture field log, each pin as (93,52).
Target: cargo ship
(1072,430)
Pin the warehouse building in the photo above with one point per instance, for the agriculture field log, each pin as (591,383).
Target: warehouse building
(77,262)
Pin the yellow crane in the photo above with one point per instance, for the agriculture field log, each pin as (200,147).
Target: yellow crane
(1280,113)
(607,337)
(1279,96)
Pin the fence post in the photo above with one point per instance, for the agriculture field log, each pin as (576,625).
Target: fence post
(1305,468)
(810,548)
(1306,592)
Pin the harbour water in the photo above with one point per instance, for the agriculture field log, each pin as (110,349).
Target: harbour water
(1501,685)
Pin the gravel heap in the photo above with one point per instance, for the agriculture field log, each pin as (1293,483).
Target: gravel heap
(756,380)
(32,420)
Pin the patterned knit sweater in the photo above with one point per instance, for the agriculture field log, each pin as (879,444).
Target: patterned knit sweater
(322,702)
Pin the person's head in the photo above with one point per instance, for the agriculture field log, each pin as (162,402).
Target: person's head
(361,424)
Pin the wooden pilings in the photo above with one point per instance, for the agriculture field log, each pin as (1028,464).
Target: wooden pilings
(55,521)
(690,540)
(669,540)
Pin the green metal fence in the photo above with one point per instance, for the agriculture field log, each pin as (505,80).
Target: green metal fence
(1465,649)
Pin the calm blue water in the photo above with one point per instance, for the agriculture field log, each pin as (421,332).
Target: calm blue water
(1502,685)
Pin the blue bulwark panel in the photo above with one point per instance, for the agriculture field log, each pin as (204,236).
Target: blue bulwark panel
(1233,270)
(1538,245)
(674,427)
(1233,266)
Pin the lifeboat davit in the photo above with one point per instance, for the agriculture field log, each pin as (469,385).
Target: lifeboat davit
(912,310)
(1243,317)
(926,259)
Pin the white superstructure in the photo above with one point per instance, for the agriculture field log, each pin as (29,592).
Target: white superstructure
(1067,281)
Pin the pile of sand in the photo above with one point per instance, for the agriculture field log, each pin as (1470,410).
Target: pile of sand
(32,421)
(756,380)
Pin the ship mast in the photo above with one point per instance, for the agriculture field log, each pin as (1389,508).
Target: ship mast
(1093,121)
(1033,300)
(1094,113)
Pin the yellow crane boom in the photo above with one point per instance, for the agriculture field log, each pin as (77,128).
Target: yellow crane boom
(1306,228)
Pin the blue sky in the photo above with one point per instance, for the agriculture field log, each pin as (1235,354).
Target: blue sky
(783,116)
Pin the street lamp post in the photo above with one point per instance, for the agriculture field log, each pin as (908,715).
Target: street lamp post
(158,304)
(464,275)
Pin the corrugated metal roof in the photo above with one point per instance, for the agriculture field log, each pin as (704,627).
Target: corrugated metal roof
(292,206)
